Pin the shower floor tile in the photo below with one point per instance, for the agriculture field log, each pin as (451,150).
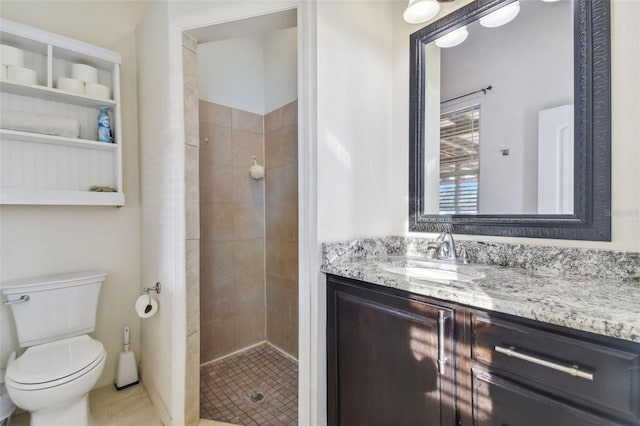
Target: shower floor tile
(227,387)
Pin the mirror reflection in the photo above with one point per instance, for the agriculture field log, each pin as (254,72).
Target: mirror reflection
(499,114)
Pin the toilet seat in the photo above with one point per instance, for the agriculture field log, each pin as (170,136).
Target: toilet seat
(56,363)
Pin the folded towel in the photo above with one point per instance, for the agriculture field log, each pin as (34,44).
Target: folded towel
(37,123)
(96,188)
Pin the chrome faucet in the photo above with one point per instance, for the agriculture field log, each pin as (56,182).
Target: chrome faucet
(445,249)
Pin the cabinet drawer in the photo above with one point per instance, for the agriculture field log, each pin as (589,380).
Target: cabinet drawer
(502,402)
(599,377)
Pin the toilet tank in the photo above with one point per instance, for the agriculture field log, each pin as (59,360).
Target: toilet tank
(59,306)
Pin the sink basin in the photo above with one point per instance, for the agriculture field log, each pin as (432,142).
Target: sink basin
(428,271)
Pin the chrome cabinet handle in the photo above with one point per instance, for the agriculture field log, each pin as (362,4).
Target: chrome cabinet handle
(573,370)
(24,298)
(442,359)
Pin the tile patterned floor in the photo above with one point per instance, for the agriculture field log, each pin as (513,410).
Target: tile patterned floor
(227,384)
(128,407)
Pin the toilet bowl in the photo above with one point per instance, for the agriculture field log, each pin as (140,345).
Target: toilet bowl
(52,381)
(62,363)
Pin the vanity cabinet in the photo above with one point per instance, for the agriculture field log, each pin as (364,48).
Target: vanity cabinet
(527,373)
(384,347)
(390,357)
(43,167)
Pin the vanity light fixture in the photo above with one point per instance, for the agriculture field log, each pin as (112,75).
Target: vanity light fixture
(419,11)
(501,16)
(453,38)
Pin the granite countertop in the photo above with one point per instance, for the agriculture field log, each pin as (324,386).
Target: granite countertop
(605,306)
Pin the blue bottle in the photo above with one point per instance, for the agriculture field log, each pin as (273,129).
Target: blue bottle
(104,126)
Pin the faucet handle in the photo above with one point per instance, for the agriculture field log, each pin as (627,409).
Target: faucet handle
(464,257)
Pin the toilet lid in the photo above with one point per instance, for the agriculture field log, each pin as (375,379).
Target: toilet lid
(56,360)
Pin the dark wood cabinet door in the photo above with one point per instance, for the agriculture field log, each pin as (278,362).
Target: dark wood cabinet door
(383,353)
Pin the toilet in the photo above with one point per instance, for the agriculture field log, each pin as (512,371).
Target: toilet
(53,316)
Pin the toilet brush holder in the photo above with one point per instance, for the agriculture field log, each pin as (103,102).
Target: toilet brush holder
(127,369)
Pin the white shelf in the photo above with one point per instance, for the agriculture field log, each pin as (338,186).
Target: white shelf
(55,140)
(42,92)
(61,168)
(61,198)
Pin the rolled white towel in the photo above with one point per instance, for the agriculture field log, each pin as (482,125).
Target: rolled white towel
(37,123)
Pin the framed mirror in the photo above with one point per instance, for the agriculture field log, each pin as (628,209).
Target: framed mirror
(510,121)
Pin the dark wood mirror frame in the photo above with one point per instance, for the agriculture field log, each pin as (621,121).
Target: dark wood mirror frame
(592,176)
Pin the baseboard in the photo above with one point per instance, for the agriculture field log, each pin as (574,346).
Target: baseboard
(157,402)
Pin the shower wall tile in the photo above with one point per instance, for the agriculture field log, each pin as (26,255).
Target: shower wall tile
(249,326)
(221,260)
(247,121)
(190,63)
(217,298)
(248,221)
(282,259)
(216,339)
(246,190)
(193,285)
(217,222)
(273,121)
(192,202)
(282,146)
(215,114)
(248,258)
(232,213)
(281,227)
(244,146)
(192,230)
(217,184)
(290,114)
(215,146)
(282,331)
(282,221)
(282,185)
(192,380)
(282,294)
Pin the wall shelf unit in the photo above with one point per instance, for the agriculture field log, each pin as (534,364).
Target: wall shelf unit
(38,168)
(55,140)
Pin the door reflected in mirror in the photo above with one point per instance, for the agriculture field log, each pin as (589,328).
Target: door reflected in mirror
(499,114)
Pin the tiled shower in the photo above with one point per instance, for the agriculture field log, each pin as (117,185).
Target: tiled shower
(248,230)
(248,265)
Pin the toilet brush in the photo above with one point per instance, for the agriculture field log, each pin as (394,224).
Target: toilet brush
(127,370)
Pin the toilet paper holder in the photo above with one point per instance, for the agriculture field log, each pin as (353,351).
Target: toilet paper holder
(156,288)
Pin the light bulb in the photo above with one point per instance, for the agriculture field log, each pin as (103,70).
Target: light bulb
(419,11)
(453,38)
(501,16)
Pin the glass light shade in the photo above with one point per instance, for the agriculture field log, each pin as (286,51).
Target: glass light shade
(501,16)
(419,11)
(453,38)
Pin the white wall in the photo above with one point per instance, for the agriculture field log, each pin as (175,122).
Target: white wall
(162,213)
(280,68)
(37,240)
(524,81)
(354,119)
(625,149)
(257,73)
(231,73)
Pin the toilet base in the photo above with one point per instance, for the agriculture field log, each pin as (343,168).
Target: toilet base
(76,413)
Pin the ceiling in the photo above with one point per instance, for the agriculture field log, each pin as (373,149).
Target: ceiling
(245,27)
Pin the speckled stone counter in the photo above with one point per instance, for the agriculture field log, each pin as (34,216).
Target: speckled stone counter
(606,302)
